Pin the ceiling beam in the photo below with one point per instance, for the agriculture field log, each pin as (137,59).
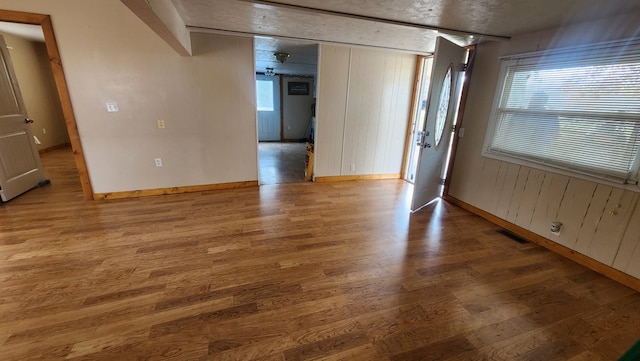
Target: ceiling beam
(274,4)
(163,18)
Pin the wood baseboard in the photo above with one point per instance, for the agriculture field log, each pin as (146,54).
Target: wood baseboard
(54,147)
(588,262)
(173,190)
(342,178)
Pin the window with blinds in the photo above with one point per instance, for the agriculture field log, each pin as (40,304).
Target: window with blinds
(577,110)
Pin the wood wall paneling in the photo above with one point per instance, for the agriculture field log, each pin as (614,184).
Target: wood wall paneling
(486,182)
(507,190)
(530,198)
(573,209)
(633,267)
(546,211)
(595,211)
(367,127)
(628,254)
(516,195)
(612,225)
(333,80)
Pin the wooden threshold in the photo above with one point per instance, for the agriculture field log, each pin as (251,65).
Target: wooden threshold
(342,178)
(566,252)
(174,190)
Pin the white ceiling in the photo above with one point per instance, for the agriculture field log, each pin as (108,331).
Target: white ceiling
(303,58)
(404,25)
(297,26)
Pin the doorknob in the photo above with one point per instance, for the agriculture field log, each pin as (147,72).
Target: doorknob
(422,139)
(28,121)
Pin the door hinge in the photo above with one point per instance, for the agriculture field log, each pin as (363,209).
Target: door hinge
(441,182)
(463,67)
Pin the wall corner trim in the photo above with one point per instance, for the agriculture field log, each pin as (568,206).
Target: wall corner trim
(173,190)
(561,250)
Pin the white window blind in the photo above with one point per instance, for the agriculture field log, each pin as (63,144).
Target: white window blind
(576,110)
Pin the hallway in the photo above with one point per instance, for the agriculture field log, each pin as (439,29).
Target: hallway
(281,162)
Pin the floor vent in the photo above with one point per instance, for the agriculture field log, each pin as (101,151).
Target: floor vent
(518,239)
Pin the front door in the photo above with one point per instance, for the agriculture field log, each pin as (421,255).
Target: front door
(443,99)
(20,167)
(268,100)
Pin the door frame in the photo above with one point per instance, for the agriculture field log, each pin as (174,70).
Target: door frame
(408,146)
(461,107)
(456,130)
(44,21)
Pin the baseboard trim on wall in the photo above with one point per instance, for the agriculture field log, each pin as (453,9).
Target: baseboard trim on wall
(588,262)
(54,147)
(173,190)
(342,178)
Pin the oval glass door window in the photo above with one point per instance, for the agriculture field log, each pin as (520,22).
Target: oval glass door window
(443,106)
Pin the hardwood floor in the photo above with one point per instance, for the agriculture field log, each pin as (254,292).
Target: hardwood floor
(300,271)
(281,162)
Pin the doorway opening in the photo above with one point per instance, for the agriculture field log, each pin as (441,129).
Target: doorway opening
(286,73)
(423,76)
(433,141)
(14,19)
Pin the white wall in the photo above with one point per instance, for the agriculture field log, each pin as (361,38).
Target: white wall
(364,100)
(207,101)
(296,109)
(600,221)
(33,72)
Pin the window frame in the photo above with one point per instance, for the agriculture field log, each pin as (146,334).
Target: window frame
(557,56)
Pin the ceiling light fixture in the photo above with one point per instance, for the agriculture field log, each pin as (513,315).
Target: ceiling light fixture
(281,56)
(269,72)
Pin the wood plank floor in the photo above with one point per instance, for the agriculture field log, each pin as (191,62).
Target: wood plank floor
(296,271)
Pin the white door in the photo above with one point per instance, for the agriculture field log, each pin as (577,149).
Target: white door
(443,99)
(268,100)
(20,167)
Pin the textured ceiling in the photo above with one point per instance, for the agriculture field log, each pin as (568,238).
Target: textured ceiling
(405,25)
(303,59)
(495,17)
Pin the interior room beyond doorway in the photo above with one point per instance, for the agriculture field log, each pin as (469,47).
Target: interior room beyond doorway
(286,74)
(281,162)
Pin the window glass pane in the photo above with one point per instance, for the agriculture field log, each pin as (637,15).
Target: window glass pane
(264,91)
(579,113)
(443,106)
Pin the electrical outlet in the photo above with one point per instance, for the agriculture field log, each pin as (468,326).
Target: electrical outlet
(353,167)
(44,131)
(161,123)
(112,107)
(555,228)
(158,162)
